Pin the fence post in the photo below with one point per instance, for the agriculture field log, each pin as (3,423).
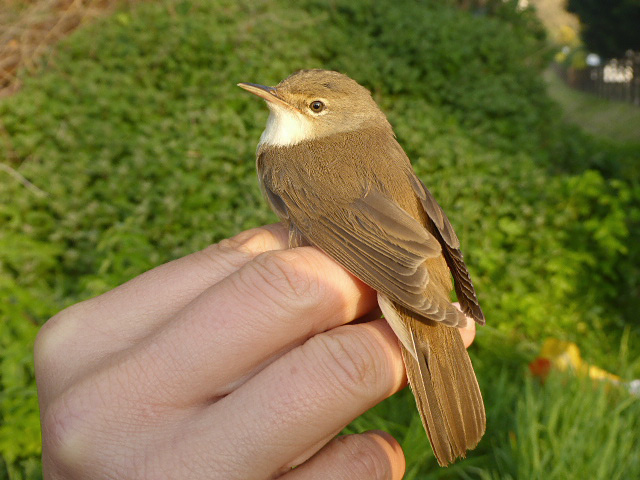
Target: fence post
(615,79)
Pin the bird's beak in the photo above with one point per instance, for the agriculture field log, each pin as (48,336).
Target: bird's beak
(268,93)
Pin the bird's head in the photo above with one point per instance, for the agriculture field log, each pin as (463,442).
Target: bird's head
(312,104)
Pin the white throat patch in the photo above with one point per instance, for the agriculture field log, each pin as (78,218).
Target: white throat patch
(285,127)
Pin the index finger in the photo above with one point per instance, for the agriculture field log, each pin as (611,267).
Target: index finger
(111,322)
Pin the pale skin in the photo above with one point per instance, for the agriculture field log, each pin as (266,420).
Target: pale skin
(235,362)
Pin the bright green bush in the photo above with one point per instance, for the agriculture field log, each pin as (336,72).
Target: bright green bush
(145,147)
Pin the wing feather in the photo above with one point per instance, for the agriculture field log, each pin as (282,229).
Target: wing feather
(386,248)
(451,251)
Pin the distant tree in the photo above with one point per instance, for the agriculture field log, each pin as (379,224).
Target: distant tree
(609,28)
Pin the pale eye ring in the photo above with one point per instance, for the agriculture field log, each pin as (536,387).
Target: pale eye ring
(316,106)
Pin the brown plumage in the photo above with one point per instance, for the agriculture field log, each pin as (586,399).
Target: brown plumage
(331,168)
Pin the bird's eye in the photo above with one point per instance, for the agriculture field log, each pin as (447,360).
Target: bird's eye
(317,106)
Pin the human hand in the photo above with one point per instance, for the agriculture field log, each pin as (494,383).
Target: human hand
(233,362)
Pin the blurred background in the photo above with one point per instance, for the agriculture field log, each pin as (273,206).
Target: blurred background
(125,143)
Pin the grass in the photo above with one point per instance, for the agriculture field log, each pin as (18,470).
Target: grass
(563,428)
(617,121)
(554,438)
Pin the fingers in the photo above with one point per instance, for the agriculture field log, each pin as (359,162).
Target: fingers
(468,333)
(369,456)
(304,396)
(163,370)
(91,330)
(265,309)
(256,432)
(269,306)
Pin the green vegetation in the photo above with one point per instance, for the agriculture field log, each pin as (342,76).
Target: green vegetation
(145,149)
(563,429)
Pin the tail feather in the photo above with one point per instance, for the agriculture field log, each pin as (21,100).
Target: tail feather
(429,408)
(444,385)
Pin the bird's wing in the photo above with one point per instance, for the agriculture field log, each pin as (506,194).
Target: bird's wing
(384,246)
(451,250)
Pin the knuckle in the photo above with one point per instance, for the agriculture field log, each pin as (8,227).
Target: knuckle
(54,332)
(288,273)
(87,429)
(353,365)
(233,253)
(237,244)
(221,256)
(63,434)
(250,243)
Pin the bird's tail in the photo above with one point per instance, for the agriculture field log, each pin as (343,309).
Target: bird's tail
(443,382)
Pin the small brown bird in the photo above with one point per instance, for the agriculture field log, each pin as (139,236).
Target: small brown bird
(332,170)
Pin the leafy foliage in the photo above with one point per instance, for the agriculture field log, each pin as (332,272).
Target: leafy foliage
(145,149)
